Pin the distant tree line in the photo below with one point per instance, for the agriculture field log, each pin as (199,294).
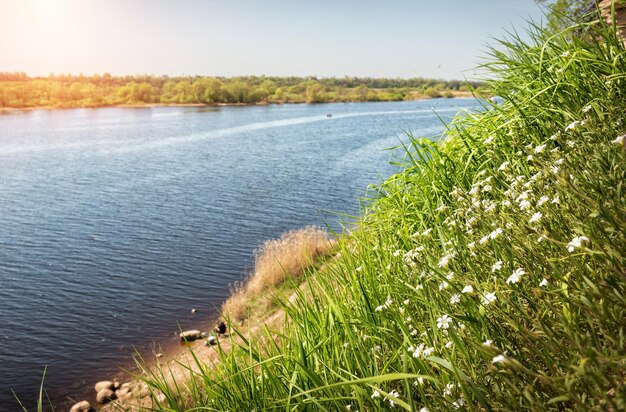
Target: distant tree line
(63,90)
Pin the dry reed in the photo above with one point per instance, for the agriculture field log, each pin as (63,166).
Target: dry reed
(276,261)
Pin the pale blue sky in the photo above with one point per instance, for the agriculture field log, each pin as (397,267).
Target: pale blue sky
(429,38)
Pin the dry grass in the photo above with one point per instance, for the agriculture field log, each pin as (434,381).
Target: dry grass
(276,261)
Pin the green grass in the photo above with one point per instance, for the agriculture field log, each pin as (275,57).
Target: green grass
(488,275)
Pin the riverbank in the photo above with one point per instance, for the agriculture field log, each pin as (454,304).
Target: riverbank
(415,97)
(280,265)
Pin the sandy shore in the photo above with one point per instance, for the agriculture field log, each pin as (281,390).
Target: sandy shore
(178,363)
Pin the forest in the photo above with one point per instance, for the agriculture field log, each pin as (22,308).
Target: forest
(18,90)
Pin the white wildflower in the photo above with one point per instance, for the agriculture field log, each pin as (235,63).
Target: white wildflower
(376,394)
(565,54)
(524,205)
(499,359)
(468,289)
(394,395)
(444,322)
(540,148)
(570,143)
(379,308)
(516,275)
(496,266)
(572,125)
(458,403)
(576,243)
(494,235)
(530,158)
(448,344)
(489,298)
(490,208)
(559,161)
(471,245)
(543,282)
(586,108)
(487,343)
(541,238)
(448,390)
(523,196)
(397,253)
(445,259)
(441,208)
(503,166)
(488,140)
(443,285)
(487,188)
(456,298)
(424,409)
(536,217)
(427,232)
(450,275)
(556,200)
(620,140)
(542,200)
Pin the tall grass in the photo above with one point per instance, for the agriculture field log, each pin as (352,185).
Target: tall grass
(275,262)
(489,275)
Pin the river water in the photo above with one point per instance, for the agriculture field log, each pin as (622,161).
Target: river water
(114,223)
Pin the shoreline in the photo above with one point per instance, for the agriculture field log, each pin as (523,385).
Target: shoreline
(169,350)
(456,95)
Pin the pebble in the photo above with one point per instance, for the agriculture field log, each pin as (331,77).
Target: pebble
(193,310)
(82,406)
(105,396)
(190,335)
(104,385)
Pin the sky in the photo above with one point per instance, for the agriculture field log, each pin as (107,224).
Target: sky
(392,38)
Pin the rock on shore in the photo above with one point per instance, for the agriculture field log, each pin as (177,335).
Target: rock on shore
(82,406)
(190,335)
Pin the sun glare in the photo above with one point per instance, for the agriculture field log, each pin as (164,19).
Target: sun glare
(50,16)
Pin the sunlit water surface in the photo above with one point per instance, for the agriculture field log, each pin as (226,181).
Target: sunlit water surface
(114,223)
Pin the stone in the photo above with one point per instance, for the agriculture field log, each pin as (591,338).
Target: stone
(194,311)
(220,328)
(104,385)
(122,392)
(190,335)
(212,340)
(105,396)
(116,385)
(82,406)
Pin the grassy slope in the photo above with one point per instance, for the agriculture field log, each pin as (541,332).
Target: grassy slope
(490,274)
